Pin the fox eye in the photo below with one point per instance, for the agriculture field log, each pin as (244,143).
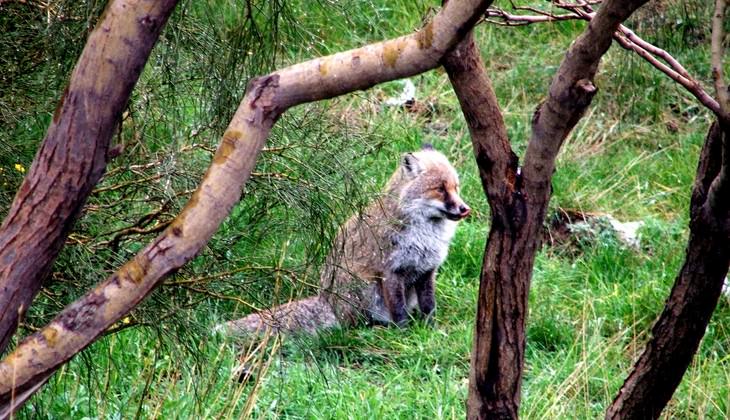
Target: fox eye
(441,188)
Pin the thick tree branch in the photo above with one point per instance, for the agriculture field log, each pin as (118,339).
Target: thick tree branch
(497,161)
(519,202)
(266,98)
(571,91)
(73,155)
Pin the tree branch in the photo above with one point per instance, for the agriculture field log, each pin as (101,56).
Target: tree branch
(677,333)
(497,161)
(265,100)
(717,51)
(719,191)
(571,91)
(626,38)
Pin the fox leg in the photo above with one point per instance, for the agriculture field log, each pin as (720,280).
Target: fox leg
(395,299)
(425,291)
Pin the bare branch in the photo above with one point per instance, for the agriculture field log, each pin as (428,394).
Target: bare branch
(677,333)
(498,163)
(628,40)
(625,37)
(516,20)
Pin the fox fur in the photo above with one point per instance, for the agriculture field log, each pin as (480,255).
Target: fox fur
(382,266)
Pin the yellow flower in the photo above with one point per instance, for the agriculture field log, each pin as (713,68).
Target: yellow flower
(20,168)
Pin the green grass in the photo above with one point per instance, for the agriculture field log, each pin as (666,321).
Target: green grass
(633,156)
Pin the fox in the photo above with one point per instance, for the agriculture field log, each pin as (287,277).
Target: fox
(381,269)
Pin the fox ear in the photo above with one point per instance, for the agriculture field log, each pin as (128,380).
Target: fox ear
(411,164)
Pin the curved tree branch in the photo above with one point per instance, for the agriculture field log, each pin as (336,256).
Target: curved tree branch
(677,333)
(571,91)
(265,100)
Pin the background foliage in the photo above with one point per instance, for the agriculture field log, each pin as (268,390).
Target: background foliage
(633,156)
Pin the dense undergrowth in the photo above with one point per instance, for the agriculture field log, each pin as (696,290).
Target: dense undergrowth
(633,156)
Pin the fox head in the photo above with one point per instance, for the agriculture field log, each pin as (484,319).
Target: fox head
(428,186)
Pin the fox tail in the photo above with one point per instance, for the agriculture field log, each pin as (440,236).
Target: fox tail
(307,315)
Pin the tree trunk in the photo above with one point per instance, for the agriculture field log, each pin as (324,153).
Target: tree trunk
(498,343)
(73,155)
(518,198)
(679,330)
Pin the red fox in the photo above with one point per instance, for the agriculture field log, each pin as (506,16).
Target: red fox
(383,264)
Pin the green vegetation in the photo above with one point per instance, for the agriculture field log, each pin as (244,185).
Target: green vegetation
(633,156)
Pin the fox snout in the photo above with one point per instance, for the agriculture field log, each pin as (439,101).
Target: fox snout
(457,210)
(464,210)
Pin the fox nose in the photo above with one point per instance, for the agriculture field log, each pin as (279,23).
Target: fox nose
(464,210)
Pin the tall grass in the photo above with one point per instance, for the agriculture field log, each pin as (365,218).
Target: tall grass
(633,156)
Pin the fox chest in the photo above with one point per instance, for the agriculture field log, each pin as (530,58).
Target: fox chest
(421,247)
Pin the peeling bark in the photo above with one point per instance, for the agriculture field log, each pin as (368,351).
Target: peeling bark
(32,362)
(73,155)
(677,333)
(519,201)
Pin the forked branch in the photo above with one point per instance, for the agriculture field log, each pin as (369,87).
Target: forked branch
(519,200)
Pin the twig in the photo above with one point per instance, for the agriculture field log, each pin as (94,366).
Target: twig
(519,20)
(132,230)
(222,297)
(224,274)
(127,184)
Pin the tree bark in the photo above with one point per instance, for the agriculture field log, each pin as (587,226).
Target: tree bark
(518,198)
(73,155)
(496,367)
(681,326)
(38,356)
